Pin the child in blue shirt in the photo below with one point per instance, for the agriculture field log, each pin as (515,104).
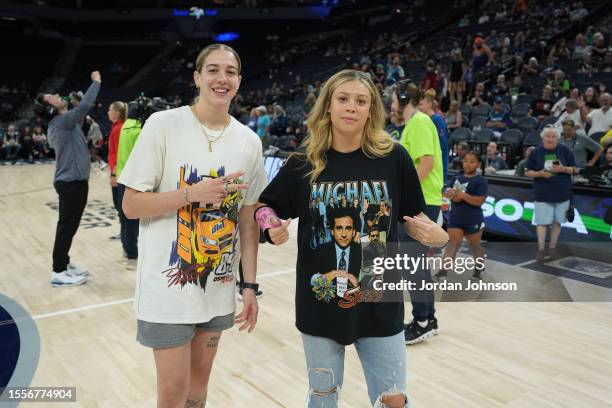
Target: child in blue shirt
(467,191)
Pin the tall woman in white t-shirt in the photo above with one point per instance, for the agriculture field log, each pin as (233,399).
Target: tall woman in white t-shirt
(193,177)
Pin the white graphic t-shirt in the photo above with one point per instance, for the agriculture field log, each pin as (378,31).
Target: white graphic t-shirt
(187,259)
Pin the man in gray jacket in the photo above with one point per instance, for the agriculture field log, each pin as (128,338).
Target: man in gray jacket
(71,175)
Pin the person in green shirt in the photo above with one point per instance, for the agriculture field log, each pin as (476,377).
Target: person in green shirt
(421,140)
(129,228)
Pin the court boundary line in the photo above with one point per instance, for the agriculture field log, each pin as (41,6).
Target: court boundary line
(119,302)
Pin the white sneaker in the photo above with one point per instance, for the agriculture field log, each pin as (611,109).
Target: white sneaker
(64,279)
(77,270)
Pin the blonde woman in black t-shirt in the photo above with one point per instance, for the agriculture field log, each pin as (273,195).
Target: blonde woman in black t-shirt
(348,154)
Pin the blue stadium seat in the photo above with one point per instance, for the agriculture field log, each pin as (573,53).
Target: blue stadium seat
(461,134)
(483,135)
(520,110)
(482,109)
(478,122)
(527,124)
(512,136)
(532,139)
(551,120)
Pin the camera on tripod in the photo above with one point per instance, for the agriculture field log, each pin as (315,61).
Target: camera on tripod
(143,107)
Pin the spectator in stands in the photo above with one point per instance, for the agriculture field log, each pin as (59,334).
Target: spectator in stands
(599,49)
(395,71)
(500,88)
(481,55)
(560,50)
(11,143)
(431,77)
(95,140)
(506,58)
(532,68)
(309,102)
(427,106)
(396,124)
(464,22)
(573,113)
(279,120)
(26,141)
(580,145)
(591,99)
(492,160)
(560,85)
(520,167)
(457,162)
(559,106)
(601,119)
(453,116)
(581,48)
(585,65)
(456,86)
(252,123)
(479,95)
(517,88)
(499,117)
(263,122)
(550,165)
(541,108)
(41,149)
(379,75)
(578,12)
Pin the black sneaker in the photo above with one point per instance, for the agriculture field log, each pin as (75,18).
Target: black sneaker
(478,274)
(414,333)
(258,294)
(442,274)
(434,326)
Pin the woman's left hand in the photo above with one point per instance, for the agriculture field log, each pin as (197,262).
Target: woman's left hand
(426,231)
(248,316)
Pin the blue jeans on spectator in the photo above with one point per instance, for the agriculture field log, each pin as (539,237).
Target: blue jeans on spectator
(383,360)
(129,228)
(423,308)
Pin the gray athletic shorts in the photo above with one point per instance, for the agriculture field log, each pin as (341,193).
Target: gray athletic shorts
(166,335)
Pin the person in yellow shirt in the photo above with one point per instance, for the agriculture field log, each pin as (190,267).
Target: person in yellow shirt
(421,140)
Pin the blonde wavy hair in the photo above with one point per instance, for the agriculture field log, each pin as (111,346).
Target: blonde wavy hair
(375,141)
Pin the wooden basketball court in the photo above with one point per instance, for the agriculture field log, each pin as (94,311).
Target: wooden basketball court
(515,355)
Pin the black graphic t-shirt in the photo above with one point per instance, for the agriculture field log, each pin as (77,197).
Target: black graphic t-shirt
(349,214)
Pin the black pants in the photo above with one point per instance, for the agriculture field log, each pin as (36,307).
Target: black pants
(423,307)
(72,201)
(129,228)
(116,202)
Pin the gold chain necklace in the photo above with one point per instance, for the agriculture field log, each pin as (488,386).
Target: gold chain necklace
(210,139)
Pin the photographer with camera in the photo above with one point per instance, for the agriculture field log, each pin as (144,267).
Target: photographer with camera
(71,174)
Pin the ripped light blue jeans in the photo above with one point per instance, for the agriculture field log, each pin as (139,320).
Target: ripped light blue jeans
(383,360)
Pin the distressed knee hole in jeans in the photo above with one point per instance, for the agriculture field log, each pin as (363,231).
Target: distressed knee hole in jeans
(394,398)
(324,392)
